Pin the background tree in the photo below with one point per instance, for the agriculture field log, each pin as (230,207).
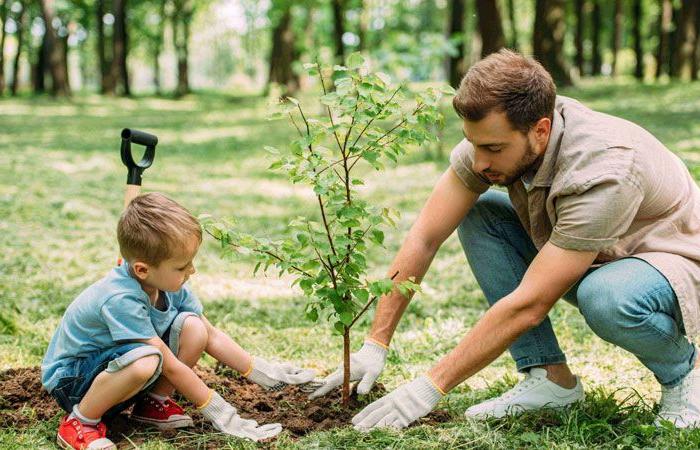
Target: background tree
(55,51)
(579,15)
(548,39)
(490,27)
(637,18)
(665,24)
(455,32)
(513,41)
(617,29)
(596,29)
(183,13)
(686,36)
(4,9)
(283,52)
(22,25)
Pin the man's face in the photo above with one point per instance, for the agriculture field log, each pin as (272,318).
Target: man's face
(503,154)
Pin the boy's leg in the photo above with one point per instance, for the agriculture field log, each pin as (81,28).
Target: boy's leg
(187,339)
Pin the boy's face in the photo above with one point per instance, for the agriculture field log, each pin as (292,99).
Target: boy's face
(170,274)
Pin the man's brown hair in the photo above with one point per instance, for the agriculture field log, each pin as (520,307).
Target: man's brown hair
(506,82)
(153,228)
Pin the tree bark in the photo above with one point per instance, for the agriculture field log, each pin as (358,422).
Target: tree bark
(673,39)
(662,51)
(597,59)
(107,82)
(548,39)
(118,70)
(4,7)
(39,67)
(283,54)
(21,26)
(616,34)
(345,398)
(181,37)
(513,26)
(339,29)
(696,58)
(579,12)
(686,39)
(637,15)
(490,27)
(55,52)
(455,63)
(158,48)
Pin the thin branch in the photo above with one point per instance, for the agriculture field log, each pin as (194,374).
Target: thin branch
(367,305)
(372,119)
(295,124)
(330,114)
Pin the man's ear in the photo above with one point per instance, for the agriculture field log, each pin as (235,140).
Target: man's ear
(541,132)
(140,270)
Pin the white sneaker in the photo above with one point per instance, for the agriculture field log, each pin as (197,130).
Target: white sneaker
(680,404)
(534,392)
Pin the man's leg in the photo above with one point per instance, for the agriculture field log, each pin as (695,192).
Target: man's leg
(499,252)
(632,305)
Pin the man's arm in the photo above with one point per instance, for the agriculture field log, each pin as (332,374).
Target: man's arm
(447,205)
(553,271)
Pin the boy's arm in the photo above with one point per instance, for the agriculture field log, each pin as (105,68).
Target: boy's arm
(179,375)
(269,375)
(226,350)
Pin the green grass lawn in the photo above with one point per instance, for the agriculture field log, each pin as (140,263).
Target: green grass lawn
(62,191)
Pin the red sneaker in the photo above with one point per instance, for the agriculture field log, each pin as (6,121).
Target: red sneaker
(164,415)
(75,435)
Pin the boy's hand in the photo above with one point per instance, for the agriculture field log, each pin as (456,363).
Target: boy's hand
(275,376)
(365,365)
(224,417)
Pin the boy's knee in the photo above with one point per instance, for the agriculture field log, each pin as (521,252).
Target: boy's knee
(144,368)
(194,333)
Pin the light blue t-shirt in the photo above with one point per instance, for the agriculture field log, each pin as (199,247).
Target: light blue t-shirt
(110,312)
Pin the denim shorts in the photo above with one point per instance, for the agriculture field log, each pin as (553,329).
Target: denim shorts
(78,377)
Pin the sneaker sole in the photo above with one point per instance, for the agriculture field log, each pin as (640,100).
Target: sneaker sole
(165,425)
(63,444)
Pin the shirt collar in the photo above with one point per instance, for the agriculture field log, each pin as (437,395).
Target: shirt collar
(545,173)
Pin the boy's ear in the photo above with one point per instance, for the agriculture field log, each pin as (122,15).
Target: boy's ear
(140,269)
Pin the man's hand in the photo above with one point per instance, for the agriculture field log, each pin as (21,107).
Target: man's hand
(224,417)
(365,365)
(275,376)
(401,407)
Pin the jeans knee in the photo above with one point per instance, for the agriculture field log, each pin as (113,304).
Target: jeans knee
(607,311)
(490,205)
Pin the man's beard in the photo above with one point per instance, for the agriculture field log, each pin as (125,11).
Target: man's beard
(529,160)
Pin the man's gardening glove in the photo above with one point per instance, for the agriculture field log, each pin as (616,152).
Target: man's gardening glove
(275,376)
(400,407)
(365,365)
(225,418)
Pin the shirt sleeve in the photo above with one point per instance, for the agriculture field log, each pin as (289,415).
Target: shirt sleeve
(461,161)
(127,318)
(596,218)
(189,301)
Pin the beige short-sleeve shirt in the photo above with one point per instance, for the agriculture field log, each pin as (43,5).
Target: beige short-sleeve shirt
(607,185)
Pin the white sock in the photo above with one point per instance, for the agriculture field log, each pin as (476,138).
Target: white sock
(76,413)
(160,398)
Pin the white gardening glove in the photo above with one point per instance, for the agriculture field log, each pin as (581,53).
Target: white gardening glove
(365,365)
(400,407)
(225,418)
(275,376)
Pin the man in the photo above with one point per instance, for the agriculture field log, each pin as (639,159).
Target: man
(597,211)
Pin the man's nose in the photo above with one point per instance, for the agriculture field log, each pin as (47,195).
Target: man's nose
(480,163)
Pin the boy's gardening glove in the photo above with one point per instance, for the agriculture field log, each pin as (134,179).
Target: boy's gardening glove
(225,418)
(365,365)
(400,407)
(275,376)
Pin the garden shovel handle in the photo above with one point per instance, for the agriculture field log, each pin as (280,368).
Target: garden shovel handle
(135,169)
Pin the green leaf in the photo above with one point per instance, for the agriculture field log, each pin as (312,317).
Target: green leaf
(312,315)
(346,317)
(378,236)
(355,60)
(339,328)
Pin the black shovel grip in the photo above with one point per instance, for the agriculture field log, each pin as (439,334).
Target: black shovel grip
(136,169)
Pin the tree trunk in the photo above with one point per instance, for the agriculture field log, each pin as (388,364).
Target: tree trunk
(181,36)
(455,63)
(158,48)
(578,37)
(56,54)
(637,17)
(490,27)
(118,68)
(686,39)
(363,26)
(673,43)
(4,7)
(513,26)
(616,34)
(662,51)
(39,67)
(21,26)
(548,39)
(339,29)
(696,59)
(346,366)
(597,59)
(107,82)
(283,54)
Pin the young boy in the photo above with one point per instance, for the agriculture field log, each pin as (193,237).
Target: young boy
(133,337)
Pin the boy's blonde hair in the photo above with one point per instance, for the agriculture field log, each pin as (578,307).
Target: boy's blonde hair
(153,228)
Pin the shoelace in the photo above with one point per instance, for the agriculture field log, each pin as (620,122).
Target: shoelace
(673,398)
(520,387)
(85,430)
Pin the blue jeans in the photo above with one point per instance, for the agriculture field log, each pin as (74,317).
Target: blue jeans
(627,302)
(78,378)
